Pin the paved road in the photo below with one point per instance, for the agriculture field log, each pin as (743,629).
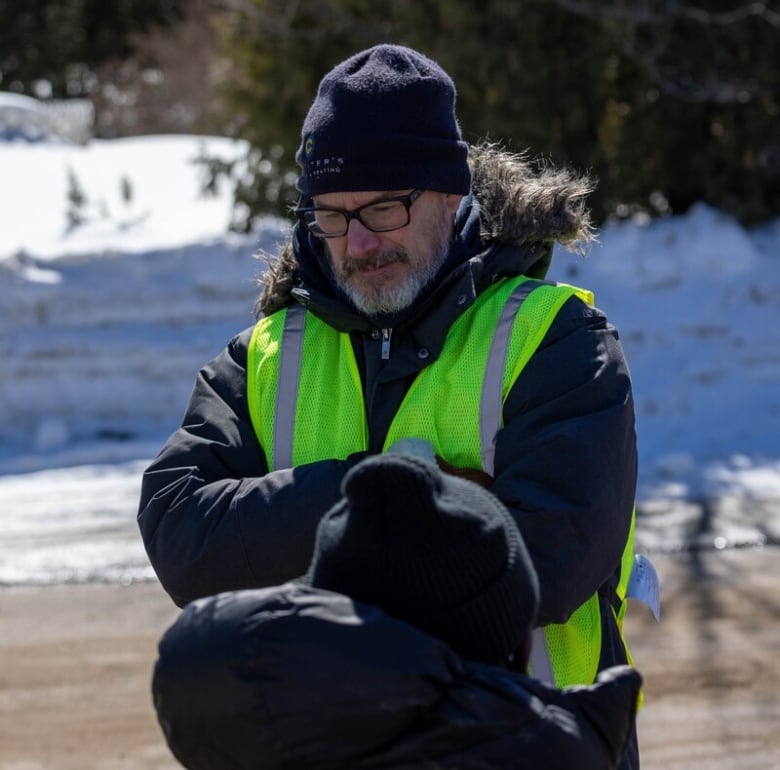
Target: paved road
(712,681)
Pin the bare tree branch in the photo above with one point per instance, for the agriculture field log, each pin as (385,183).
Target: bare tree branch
(758,10)
(650,12)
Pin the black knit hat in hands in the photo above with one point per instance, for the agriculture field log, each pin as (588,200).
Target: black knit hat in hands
(436,551)
(384,119)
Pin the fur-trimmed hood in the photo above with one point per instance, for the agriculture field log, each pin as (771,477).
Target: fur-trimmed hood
(520,203)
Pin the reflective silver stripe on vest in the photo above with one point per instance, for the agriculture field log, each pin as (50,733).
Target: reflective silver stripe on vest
(491,404)
(287,385)
(540,663)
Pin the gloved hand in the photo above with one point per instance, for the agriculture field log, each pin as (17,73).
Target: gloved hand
(472,474)
(423,450)
(414,447)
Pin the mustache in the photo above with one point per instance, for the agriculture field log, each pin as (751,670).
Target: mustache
(350,265)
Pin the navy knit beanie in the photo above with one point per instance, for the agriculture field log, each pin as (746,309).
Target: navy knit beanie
(434,550)
(384,119)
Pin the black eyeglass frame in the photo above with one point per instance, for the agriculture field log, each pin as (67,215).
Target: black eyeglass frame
(407,200)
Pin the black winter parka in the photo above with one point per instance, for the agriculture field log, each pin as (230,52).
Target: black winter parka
(214,519)
(292,678)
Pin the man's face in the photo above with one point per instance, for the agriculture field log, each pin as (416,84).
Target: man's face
(385,272)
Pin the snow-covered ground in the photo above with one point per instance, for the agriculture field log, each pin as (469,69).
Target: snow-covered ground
(109,306)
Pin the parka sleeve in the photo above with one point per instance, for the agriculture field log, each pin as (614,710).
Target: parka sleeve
(211,516)
(566,458)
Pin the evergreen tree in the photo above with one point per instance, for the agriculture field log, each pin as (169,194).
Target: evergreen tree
(62,42)
(666,104)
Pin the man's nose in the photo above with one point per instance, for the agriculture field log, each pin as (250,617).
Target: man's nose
(361,241)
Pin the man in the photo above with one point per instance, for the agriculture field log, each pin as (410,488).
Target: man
(395,652)
(409,304)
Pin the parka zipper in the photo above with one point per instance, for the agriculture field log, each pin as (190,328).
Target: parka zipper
(386,343)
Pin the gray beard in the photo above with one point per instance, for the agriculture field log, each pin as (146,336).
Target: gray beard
(387,300)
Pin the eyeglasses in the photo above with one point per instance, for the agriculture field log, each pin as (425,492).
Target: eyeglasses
(379,216)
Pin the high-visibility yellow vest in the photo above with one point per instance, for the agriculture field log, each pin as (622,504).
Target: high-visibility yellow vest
(306,404)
